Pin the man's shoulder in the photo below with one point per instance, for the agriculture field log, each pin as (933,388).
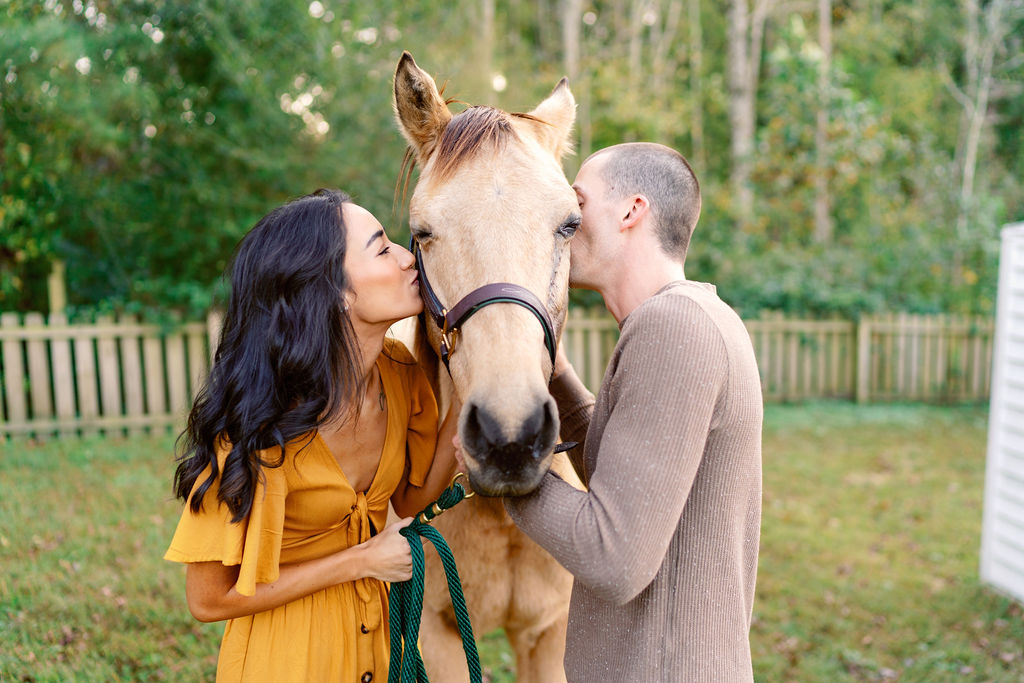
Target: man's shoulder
(681,303)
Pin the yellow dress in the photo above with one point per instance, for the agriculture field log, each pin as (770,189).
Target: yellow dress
(307,509)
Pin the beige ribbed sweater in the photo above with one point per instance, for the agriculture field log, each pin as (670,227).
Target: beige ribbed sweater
(663,545)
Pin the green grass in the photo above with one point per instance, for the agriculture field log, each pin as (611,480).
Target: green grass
(869,549)
(868,569)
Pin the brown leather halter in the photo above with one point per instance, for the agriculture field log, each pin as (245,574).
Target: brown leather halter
(450,321)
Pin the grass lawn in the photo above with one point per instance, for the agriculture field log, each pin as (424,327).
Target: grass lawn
(868,571)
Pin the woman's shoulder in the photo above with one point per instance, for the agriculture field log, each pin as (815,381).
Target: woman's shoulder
(396,351)
(277,463)
(398,359)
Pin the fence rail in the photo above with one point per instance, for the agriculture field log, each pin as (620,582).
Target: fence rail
(117,375)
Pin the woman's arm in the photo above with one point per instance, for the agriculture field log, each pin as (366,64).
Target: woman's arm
(210,586)
(408,499)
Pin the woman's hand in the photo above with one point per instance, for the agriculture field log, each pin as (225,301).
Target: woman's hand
(388,557)
(460,457)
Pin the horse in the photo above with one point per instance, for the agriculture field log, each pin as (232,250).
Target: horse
(492,205)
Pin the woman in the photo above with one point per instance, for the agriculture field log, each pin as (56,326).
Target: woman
(310,423)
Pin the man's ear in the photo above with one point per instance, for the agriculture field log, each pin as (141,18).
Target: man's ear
(636,210)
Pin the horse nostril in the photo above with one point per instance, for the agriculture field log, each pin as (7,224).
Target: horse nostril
(540,430)
(481,430)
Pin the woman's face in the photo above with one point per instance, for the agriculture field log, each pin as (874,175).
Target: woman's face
(382,275)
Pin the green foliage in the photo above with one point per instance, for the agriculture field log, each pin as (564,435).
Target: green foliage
(139,139)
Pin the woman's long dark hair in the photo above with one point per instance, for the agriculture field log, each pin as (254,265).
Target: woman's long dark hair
(288,359)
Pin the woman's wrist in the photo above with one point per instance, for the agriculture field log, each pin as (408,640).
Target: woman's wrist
(351,564)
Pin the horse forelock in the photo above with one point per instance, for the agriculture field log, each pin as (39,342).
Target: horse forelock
(469,133)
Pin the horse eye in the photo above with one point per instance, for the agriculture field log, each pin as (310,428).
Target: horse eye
(420,234)
(569,227)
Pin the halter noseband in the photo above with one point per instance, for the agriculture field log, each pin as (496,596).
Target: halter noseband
(449,321)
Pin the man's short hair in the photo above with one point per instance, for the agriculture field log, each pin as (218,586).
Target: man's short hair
(663,176)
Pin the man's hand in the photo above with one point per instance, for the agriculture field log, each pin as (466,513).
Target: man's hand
(561,361)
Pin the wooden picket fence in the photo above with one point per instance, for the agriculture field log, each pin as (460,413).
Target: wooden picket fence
(113,375)
(120,375)
(880,358)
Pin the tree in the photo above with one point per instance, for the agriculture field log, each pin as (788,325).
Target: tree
(823,225)
(745,38)
(985,40)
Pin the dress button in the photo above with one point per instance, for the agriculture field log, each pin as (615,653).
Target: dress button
(362,628)
(367,677)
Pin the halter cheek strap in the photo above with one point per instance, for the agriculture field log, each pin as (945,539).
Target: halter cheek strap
(450,321)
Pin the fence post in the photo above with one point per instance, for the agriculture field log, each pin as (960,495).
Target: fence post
(14,372)
(214,324)
(63,374)
(863,360)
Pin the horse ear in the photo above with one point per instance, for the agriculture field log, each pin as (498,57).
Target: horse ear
(558,111)
(421,113)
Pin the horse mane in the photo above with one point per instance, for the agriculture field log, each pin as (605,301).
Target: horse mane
(467,133)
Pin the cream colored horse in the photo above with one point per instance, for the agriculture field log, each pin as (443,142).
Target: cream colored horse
(493,205)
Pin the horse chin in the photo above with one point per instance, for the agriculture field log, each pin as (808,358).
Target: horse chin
(492,481)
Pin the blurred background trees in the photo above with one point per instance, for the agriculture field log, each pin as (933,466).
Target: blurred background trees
(855,156)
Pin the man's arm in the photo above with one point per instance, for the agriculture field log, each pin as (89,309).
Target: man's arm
(575,407)
(613,537)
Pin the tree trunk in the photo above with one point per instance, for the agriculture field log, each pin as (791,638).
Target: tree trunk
(486,46)
(985,34)
(572,12)
(823,224)
(741,112)
(696,87)
(663,66)
(572,20)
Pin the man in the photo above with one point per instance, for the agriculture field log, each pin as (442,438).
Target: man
(663,544)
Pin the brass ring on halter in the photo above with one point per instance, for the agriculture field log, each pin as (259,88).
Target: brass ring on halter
(448,334)
(450,337)
(469,493)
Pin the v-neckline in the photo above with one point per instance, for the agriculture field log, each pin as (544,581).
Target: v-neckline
(384,447)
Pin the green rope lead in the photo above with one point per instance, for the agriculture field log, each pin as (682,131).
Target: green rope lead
(406,600)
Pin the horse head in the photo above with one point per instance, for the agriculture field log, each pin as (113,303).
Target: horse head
(492,205)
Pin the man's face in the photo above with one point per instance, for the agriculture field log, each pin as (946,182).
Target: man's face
(597,230)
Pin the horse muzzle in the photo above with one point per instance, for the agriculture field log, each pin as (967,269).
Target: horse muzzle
(508,457)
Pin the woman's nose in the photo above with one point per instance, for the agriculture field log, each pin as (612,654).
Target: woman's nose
(406,259)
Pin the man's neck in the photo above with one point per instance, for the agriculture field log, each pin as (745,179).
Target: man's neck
(636,282)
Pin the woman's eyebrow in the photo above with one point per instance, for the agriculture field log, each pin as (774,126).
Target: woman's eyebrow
(376,235)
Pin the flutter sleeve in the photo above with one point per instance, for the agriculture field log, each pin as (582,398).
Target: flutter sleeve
(253,543)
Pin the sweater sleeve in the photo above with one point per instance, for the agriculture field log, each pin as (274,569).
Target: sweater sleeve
(575,408)
(672,368)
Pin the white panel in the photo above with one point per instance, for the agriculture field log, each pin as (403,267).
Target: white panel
(1002,536)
